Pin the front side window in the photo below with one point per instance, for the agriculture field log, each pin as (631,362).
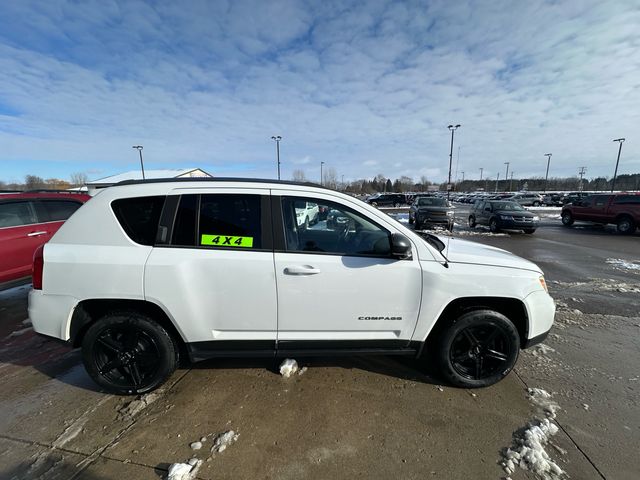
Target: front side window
(343,232)
(600,201)
(139,217)
(15,214)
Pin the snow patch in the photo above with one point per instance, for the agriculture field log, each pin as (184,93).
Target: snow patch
(223,440)
(623,264)
(542,399)
(130,410)
(20,332)
(184,471)
(196,445)
(288,367)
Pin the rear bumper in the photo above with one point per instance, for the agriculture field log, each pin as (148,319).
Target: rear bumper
(536,340)
(51,314)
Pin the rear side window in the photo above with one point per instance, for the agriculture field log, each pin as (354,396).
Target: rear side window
(230,221)
(58,210)
(14,214)
(139,217)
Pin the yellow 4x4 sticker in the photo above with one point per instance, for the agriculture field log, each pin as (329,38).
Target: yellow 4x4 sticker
(226,241)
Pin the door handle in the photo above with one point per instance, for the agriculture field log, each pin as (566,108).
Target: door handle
(36,234)
(301,270)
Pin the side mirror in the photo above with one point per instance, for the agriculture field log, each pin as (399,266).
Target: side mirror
(400,246)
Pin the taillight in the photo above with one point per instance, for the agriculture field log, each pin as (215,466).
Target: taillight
(38,267)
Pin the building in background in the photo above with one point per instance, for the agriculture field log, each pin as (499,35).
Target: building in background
(95,185)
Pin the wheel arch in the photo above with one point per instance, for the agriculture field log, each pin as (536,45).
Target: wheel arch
(89,311)
(512,308)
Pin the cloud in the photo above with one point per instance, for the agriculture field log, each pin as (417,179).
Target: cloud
(357,85)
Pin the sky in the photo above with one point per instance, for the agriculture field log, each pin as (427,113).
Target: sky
(367,87)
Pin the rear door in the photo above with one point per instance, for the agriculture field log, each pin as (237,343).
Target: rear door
(212,270)
(52,213)
(20,235)
(338,286)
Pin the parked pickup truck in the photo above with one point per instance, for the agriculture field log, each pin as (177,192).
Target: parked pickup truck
(620,209)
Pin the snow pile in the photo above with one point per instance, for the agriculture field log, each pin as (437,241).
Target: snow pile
(184,471)
(288,367)
(222,441)
(527,449)
(130,410)
(528,453)
(623,264)
(196,445)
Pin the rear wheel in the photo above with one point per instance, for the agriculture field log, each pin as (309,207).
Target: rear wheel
(128,353)
(479,349)
(472,221)
(626,225)
(493,225)
(396,204)
(529,230)
(567,219)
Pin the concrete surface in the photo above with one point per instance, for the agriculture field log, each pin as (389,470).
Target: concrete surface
(376,417)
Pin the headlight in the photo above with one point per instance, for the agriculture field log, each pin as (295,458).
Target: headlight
(544,284)
(506,217)
(536,218)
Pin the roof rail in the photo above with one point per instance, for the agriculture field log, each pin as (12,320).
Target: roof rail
(216,179)
(52,190)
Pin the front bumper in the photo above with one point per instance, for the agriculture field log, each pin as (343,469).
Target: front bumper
(541,310)
(517,224)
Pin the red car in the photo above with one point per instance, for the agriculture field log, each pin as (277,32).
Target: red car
(620,209)
(28,220)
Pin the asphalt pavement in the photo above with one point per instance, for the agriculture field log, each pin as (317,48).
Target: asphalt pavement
(376,417)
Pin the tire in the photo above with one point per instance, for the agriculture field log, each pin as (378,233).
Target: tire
(529,230)
(472,221)
(410,220)
(477,350)
(626,225)
(567,219)
(127,353)
(450,227)
(375,204)
(536,204)
(493,225)
(396,204)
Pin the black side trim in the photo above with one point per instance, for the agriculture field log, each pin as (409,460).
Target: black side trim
(536,340)
(302,345)
(230,348)
(277,221)
(265,220)
(167,218)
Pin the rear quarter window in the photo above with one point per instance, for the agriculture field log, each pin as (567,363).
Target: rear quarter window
(139,217)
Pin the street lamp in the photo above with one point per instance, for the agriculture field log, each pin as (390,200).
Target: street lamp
(277,139)
(511,182)
(481,169)
(615,174)
(321,177)
(548,155)
(453,128)
(139,148)
(506,176)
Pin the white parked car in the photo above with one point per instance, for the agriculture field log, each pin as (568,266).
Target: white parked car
(152,271)
(307,213)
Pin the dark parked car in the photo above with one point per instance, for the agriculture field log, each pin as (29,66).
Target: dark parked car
(573,197)
(28,220)
(502,214)
(621,209)
(387,200)
(428,211)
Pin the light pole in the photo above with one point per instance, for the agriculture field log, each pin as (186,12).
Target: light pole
(139,148)
(481,169)
(511,182)
(615,174)
(453,129)
(497,180)
(546,176)
(277,139)
(506,176)
(321,177)
(581,172)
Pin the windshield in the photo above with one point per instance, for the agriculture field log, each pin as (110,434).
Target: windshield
(432,202)
(508,206)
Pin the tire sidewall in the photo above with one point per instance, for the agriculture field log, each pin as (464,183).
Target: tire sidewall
(625,226)
(468,319)
(567,219)
(167,362)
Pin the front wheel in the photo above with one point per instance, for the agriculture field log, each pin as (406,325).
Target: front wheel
(567,219)
(128,353)
(493,225)
(529,230)
(472,221)
(536,204)
(396,204)
(479,349)
(625,225)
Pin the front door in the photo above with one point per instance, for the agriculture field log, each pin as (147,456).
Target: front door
(338,285)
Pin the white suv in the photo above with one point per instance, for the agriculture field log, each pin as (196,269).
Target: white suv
(152,271)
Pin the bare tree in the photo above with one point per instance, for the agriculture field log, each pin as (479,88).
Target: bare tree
(298,176)
(331,178)
(33,182)
(79,179)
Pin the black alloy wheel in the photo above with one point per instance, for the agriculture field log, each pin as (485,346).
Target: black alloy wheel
(479,349)
(128,353)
